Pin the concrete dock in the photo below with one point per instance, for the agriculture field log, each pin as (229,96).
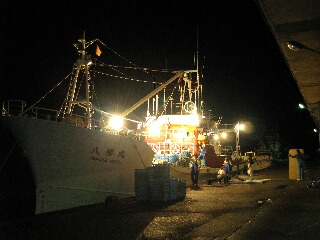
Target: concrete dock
(269,207)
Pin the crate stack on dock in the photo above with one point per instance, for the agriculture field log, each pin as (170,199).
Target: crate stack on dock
(141,185)
(159,182)
(155,184)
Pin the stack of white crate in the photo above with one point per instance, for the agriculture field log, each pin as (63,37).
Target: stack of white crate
(173,188)
(141,185)
(159,182)
(182,188)
(155,184)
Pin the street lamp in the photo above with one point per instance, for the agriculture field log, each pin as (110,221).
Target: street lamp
(296,46)
(302,106)
(239,127)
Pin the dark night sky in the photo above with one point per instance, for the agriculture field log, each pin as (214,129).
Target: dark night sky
(245,75)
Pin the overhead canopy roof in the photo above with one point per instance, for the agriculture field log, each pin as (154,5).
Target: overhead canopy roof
(298,21)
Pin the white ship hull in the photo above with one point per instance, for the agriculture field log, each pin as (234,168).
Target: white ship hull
(75,166)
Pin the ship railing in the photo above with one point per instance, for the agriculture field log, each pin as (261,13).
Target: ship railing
(45,113)
(81,121)
(167,148)
(17,108)
(13,107)
(264,152)
(73,119)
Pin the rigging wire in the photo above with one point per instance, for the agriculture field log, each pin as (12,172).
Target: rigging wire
(101,64)
(168,99)
(7,157)
(92,96)
(64,105)
(126,78)
(134,66)
(46,94)
(121,56)
(67,99)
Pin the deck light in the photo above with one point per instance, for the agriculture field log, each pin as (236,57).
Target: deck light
(116,123)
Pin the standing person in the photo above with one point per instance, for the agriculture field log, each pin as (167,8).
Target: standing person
(227,169)
(250,170)
(301,164)
(230,167)
(202,155)
(194,171)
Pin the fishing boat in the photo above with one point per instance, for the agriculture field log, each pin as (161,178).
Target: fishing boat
(177,126)
(75,159)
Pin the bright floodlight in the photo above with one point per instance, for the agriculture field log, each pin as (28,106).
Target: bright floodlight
(116,123)
(241,127)
(154,129)
(315,130)
(215,137)
(224,135)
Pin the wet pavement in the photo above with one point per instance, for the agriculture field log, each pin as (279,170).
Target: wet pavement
(269,207)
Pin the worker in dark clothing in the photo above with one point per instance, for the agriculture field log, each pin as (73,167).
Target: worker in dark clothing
(227,169)
(195,172)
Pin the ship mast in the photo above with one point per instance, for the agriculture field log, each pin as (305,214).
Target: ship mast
(198,96)
(82,63)
(198,80)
